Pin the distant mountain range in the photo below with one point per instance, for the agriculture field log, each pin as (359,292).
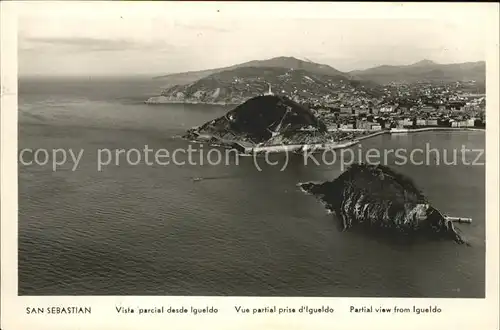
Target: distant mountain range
(301,80)
(424,70)
(277,62)
(236,85)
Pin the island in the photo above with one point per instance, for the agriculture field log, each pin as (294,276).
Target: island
(377,198)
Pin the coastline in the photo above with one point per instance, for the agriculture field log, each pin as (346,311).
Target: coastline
(425,129)
(371,135)
(158,100)
(304,147)
(328,145)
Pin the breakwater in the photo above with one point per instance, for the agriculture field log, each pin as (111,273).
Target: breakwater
(247,148)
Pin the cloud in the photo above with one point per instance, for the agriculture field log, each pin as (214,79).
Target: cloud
(89,44)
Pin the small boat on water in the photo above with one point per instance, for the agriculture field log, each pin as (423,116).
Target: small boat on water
(197,179)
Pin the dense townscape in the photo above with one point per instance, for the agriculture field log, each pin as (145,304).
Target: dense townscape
(403,106)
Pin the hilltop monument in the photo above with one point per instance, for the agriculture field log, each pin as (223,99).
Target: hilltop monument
(269,92)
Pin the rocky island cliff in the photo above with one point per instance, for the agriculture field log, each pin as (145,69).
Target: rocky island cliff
(376,197)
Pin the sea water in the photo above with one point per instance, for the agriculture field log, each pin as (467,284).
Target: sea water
(153,230)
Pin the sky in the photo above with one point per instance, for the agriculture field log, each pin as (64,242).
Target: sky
(153,39)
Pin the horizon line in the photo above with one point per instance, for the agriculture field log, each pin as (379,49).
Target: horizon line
(153,75)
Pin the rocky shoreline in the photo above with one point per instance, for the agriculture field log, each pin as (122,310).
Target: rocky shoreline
(376,197)
(156,100)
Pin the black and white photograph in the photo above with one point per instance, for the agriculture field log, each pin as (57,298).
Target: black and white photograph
(169,154)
